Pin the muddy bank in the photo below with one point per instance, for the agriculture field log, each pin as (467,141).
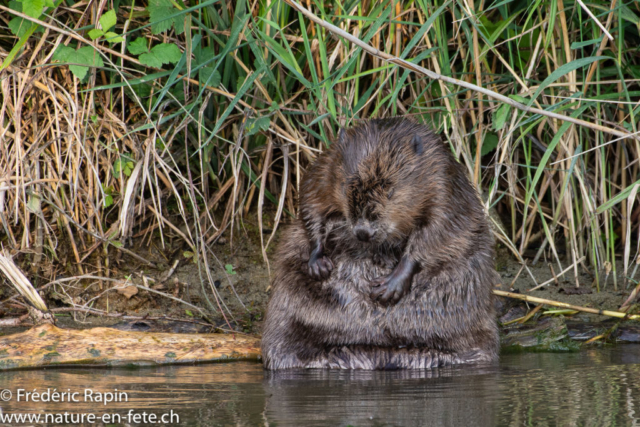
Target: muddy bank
(611,294)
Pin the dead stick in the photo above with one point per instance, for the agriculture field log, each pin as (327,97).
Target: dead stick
(556,277)
(565,305)
(435,76)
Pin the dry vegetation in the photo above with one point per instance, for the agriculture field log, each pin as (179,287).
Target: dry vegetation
(205,112)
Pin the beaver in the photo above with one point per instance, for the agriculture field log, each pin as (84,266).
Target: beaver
(390,265)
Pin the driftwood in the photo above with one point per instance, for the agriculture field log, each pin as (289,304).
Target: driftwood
(48,345)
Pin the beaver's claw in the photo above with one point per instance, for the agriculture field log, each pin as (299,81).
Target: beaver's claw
(390,289)
(320,267)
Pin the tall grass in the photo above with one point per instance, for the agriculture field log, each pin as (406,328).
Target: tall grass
(226,125)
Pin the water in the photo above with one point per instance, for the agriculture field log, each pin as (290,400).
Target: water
(599,387)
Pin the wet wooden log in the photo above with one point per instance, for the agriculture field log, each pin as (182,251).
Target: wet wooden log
(48,345)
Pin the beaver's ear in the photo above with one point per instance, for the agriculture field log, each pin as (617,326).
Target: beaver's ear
(417,144)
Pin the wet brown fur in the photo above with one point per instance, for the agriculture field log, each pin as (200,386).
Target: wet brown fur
(355,306)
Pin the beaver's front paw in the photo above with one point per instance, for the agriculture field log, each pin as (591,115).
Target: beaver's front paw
(390,289)
(320,267)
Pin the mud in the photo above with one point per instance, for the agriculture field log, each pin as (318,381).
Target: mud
(609,296)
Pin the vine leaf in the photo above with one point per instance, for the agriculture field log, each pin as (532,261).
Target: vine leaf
(95,33)
(33,8)
(208,75)
(256,125)
(79,60)
(164,53)
(17,25)
(112,37)
(107,20)
(138,46)
(162,15)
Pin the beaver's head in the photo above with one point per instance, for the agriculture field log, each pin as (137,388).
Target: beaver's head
(385,193)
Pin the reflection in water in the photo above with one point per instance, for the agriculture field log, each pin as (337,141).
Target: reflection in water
(430,398)
(595,387)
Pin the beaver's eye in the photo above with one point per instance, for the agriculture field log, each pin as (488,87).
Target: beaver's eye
(372,215)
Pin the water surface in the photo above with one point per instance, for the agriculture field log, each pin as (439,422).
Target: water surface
(591,388)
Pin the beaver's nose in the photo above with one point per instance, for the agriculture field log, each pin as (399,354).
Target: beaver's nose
(363,233)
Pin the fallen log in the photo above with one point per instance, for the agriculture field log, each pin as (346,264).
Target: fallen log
(48,345)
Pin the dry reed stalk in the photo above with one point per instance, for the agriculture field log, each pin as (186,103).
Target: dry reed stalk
(20,282)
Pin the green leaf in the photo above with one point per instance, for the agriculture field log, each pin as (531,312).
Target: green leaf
(76,58)
(123,165)
(79,71)
(90,57)
(138,46)
(62,53)
(500,116)
(489,144)
(95,33)
(113,37)
(178,23)
(207,74)
(169,52)
(164,53)
(160,12)
(108,20)
(128,168)
(33,8)
(210,77)
(19,26)
(150,60)
(256,125)
(229,269)
(188,313)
